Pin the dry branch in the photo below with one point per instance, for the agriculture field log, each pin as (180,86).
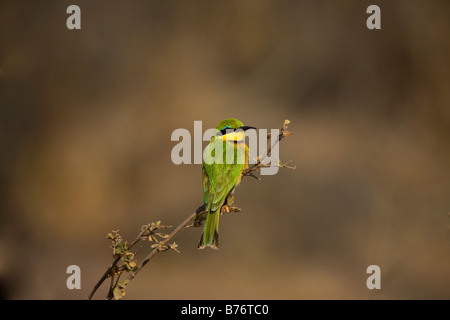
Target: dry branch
(124,258)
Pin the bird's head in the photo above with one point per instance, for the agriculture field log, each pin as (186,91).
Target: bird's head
(231,129)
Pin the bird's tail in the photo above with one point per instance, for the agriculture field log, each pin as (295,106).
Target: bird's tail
(210,235)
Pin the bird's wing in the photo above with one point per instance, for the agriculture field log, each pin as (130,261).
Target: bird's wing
(206,200)
(218,180)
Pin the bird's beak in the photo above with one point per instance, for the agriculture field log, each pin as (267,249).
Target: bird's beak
(245,128)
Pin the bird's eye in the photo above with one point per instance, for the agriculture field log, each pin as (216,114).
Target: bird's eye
(224,130)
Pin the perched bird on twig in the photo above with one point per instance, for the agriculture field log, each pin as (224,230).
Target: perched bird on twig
(221,174)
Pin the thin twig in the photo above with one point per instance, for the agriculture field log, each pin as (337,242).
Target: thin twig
(283,133)
(111,267)
(162,244)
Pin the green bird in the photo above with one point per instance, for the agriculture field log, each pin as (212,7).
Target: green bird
(225,157)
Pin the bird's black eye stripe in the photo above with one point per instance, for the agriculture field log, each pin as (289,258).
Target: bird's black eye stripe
(226,130)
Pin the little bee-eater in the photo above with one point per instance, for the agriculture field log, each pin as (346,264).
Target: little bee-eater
(221,173)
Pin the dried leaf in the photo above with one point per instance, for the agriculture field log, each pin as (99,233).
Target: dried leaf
(123,284)
(118,293)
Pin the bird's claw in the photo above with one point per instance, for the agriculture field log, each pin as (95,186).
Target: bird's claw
(225,208)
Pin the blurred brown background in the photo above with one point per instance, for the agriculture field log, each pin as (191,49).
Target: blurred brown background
(86,118)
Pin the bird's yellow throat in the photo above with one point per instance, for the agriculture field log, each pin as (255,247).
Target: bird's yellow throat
(237,136)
